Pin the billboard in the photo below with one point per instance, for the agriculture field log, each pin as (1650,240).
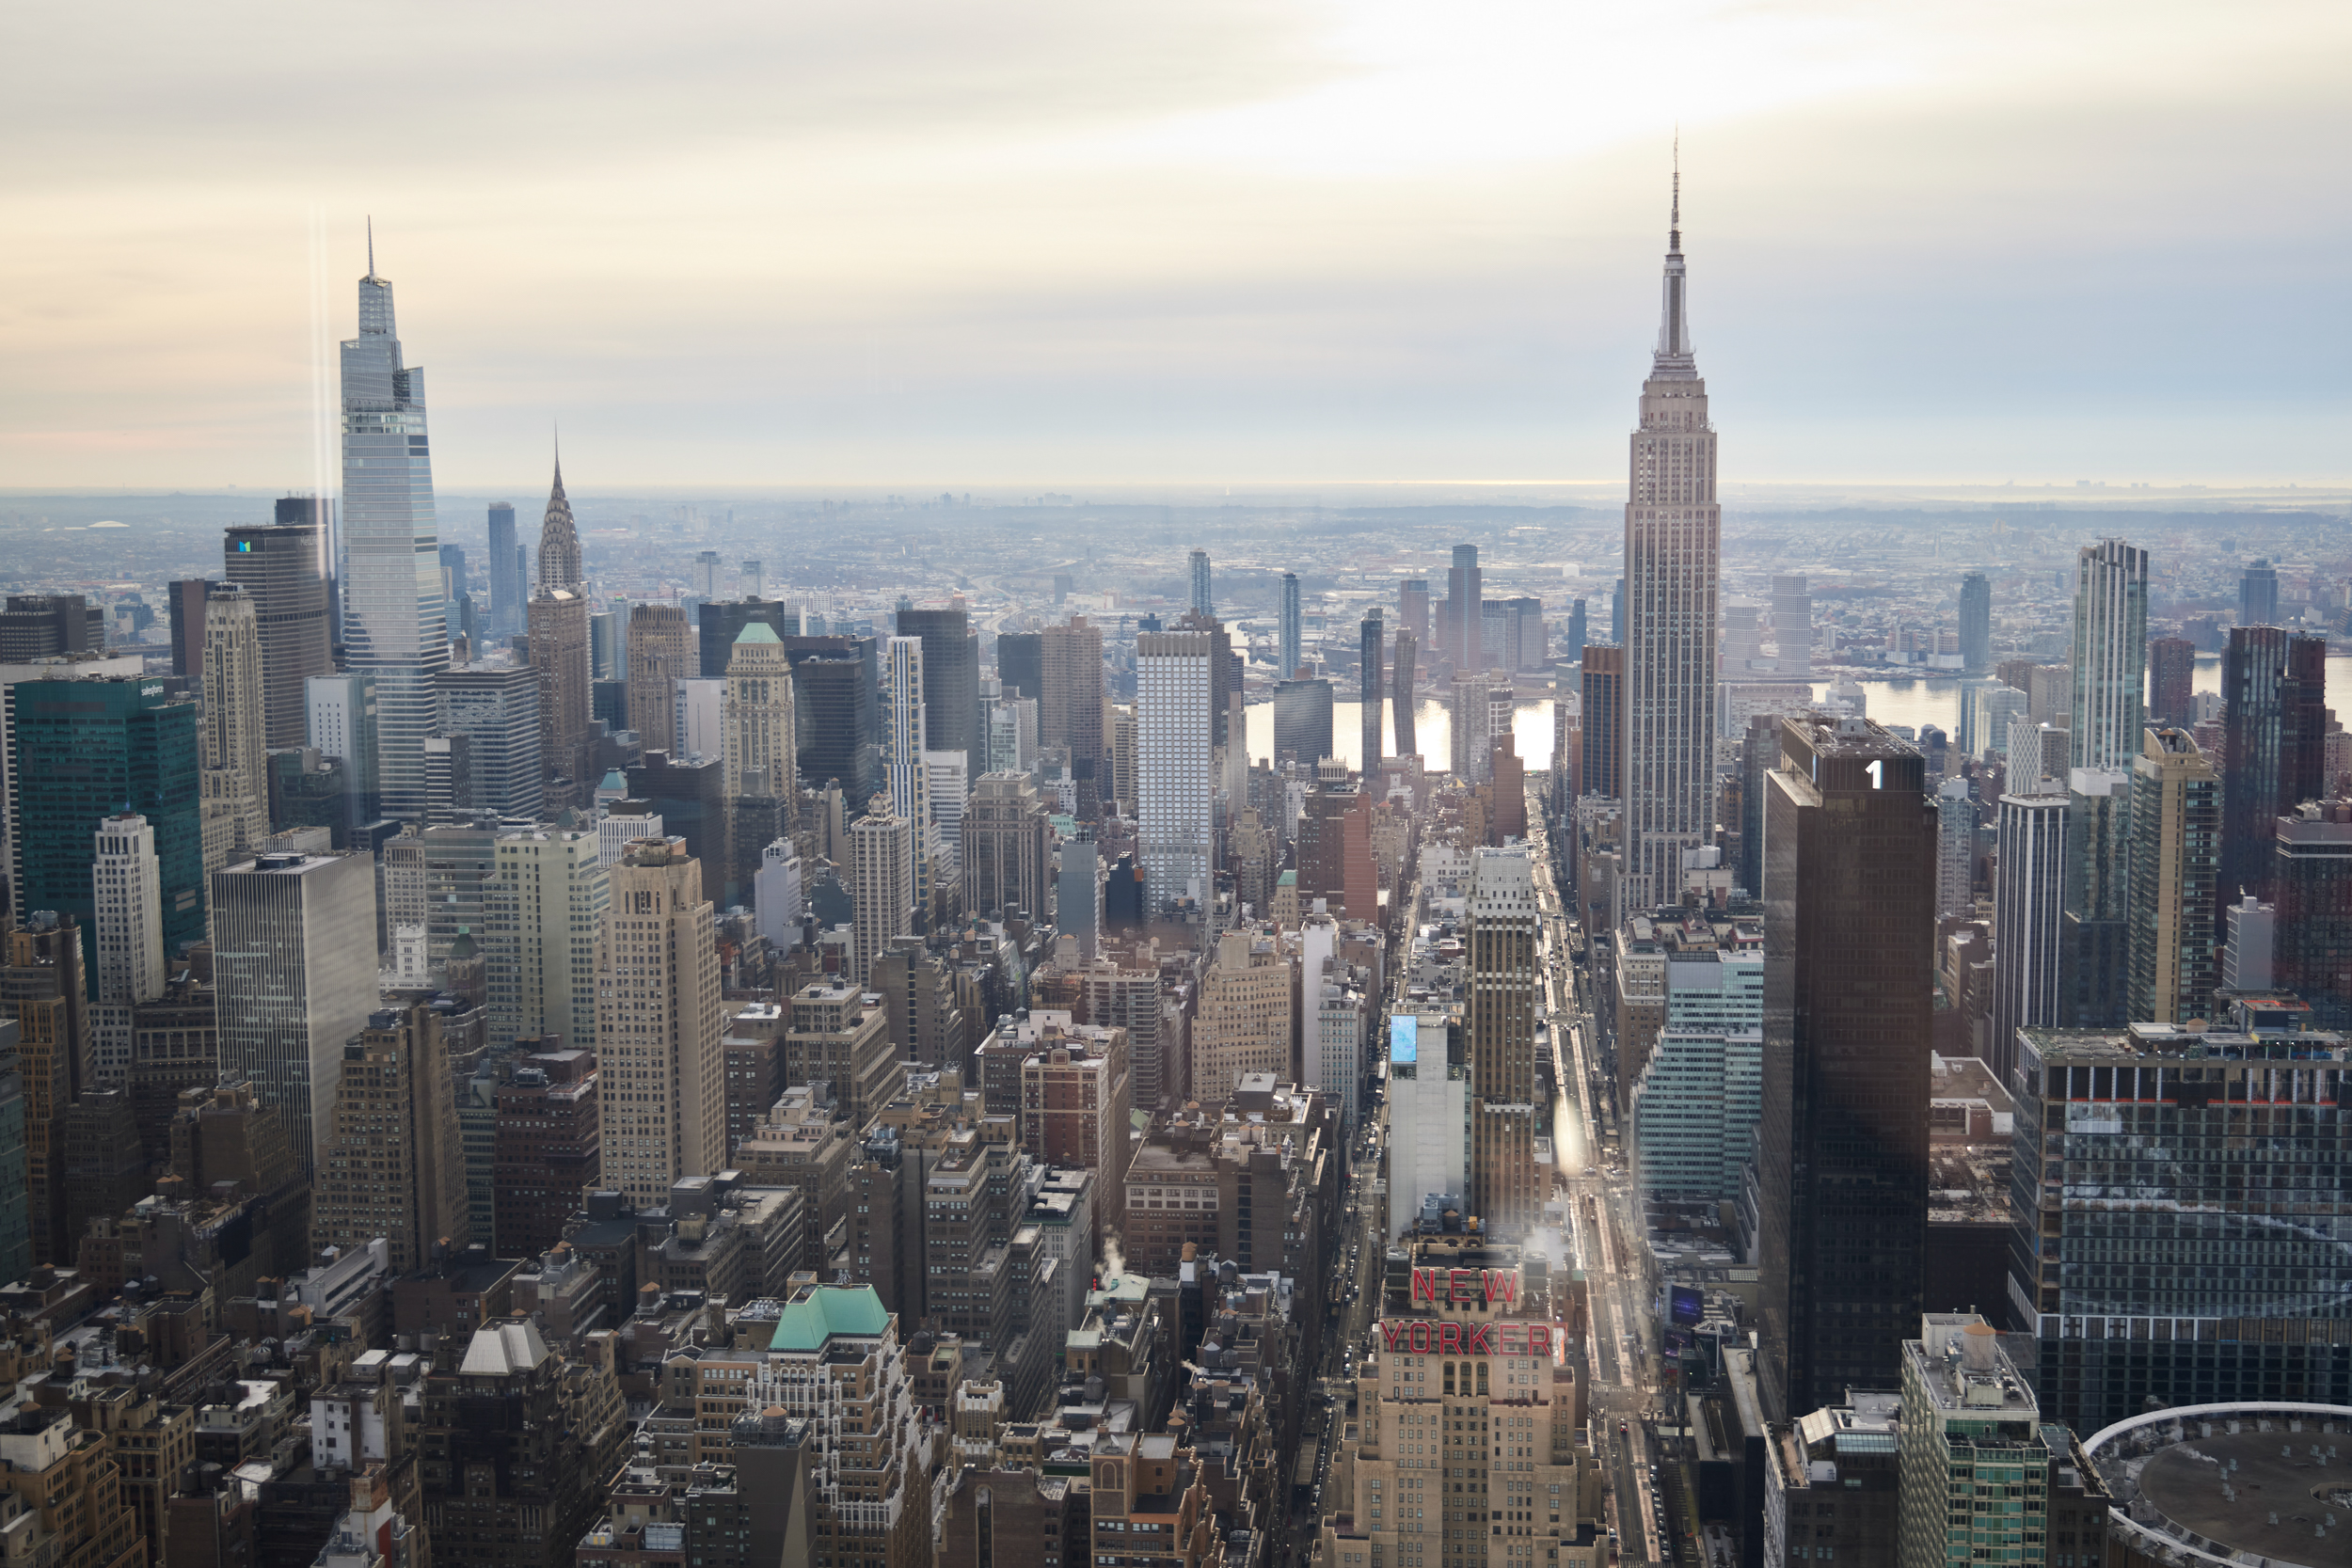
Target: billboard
(1404,1037)
(1684,1305)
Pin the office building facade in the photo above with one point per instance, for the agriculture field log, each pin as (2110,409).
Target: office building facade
(286,932)
(1175,766)
(394,617)
(1842,1166)
(2176,853)
(283,569)
(658,1025)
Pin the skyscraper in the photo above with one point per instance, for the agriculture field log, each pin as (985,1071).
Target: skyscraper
(1575,633)
(1203,602)
(389,1163)
(1070,713)
(903,727)
(234,730)
(1412,609)
(1473,722)
(341,718)
(2028,911)
(2110,661)
(506,570)
(496,709)
(282,568)
(559,643)
(290,935)
(761,743)
(80,750)
(1368,689)
(1673,536)
(394,625)
(540,917)
(1021,663)
(2171,681)
(1955,849)
(662,1068)
(951,681)
(1302,721)
(1499,968)
(1792,618)
(1976,623)
(661,653)
(1175,769)
(882,856)
(1604,723)
(2258,595)
(2274,746)
(1286,634)
(2229,1243)
(1842,1145)
(2176,851)
(1404,734)
(1007,846)
(129,932)
(1465,590)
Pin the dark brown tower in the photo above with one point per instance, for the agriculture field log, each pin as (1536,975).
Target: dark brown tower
(1849,987)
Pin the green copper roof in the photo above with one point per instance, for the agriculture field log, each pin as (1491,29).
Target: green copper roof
(827,1310)
(758,631)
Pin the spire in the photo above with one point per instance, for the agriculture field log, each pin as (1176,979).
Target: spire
(559,538)
(1673,223)
(370,244)
(1673,361)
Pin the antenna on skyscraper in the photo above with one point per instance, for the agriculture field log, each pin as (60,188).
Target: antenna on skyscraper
(371,234)
(1674,224)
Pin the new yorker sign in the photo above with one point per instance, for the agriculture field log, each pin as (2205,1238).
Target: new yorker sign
(1489,1288)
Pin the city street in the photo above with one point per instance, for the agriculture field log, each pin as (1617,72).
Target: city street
(1602,1209)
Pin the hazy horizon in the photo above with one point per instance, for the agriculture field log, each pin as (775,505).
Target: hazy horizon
(1366,246)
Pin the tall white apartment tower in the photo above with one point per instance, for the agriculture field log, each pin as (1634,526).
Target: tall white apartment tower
(235,742)
(2111,655)
(1175,773)
(660,1067)
(128,929)
(904,717)
(881,878)
(1672,535)
(2028,904)
(1955,848)
(541,915)
(291,940)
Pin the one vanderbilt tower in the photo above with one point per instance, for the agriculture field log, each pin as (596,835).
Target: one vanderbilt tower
(395,624)
(1673,533)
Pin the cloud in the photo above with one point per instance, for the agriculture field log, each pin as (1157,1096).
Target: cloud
(944,242)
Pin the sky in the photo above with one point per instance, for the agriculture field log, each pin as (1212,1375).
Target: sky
(975,245)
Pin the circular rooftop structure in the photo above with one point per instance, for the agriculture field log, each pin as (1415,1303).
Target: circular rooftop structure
(2208,1485)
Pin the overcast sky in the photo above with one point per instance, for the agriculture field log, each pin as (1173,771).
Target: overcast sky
(1091,241)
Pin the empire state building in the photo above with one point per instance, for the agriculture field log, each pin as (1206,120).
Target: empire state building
(1673,543)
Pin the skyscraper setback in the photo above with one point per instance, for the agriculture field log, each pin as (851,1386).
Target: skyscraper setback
(1672,539)
(394,620)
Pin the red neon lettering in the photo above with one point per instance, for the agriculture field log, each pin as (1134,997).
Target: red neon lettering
(1425,1285)
(1539,1338)
(1482,1339)
(1391,1332)
(1461,1285)
(1502,1285)
(1514,1337)
(1420,1339)
(1448,1339)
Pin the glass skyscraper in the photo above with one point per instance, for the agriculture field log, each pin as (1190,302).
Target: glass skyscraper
(395,624)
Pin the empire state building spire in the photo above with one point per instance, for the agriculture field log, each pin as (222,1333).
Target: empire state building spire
(1673,538)
(1674,361)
